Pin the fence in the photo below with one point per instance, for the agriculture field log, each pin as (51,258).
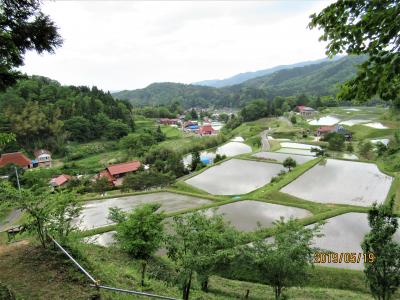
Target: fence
(96,283)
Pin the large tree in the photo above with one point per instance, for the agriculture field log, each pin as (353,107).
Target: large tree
(197,245)
(46,213)
(23,27)
(383,271)
(284,260)
(139,233)
(365,27)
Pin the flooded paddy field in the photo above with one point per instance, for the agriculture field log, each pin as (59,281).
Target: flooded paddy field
(383,141)
(345,233)
(233,148)
(244,215)
(95,213)
(235,177)
(296,151)
(352,122)
(327,121)
(298,145)
(103,239)
(376,125)
(342,182)
(280,157)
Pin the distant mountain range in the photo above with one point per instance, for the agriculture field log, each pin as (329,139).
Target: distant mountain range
(242,77)
(312,78)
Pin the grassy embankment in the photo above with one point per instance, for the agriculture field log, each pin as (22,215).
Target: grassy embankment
(34,273)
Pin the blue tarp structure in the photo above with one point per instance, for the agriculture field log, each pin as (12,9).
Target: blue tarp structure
(205,160)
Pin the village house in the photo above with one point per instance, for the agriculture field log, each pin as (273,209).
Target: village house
(305,111)
(324,130)
(190,126)
(16,158)
(42,158)
(60,180)
(115,173)
(166,121)
(206,129)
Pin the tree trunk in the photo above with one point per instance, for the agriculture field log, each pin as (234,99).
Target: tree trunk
(247,294)
(144,264)
(278,291)
(204,285)
(186,287)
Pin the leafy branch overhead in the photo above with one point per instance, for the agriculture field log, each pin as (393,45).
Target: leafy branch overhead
(23,27)
(370,28)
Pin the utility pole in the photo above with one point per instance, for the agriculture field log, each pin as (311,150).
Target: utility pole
(19,186)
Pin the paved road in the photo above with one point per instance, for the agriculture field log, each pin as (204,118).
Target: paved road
(265,145)
(14,215)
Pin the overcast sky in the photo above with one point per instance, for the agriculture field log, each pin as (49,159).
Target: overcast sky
(130,44)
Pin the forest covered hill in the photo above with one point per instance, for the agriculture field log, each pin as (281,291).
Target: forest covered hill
(241,77)
(320,79)
(43,113)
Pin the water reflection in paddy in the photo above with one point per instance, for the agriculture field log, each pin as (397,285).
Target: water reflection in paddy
(244,215)
(296,151)
(298,145)
(235,177)
(345,233)
(344,182)
(233,148)
(280,157)
(327,120)
(95,213)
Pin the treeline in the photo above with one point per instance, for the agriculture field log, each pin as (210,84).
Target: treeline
(43,113)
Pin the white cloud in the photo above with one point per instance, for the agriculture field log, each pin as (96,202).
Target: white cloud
(126,45)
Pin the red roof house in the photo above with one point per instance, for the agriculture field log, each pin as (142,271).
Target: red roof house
(306,111)
(206,130)
(16,158)
(114,173)
(60,180)
(325,130)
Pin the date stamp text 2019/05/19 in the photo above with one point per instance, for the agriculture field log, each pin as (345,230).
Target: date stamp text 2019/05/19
(343,257)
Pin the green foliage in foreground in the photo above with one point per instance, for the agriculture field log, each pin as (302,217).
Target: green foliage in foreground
(46,213)
(197,246)
(383,273)
(362,27)
(284,261)
(116,268)
(139,233)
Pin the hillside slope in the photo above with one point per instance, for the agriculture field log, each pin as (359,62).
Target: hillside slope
(242,77)
(316,79)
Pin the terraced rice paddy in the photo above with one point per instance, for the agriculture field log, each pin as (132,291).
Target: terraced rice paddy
(327,121)
(298,145)
(233,148)
(343,182)
(280,157)
(296,151)
(244,215)
(235,177)
(95,213)
(345,233)
(383,141)
(352,122)
(376,125)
